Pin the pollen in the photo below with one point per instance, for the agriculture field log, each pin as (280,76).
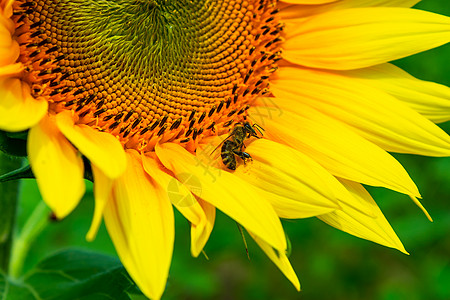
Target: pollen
(150,70)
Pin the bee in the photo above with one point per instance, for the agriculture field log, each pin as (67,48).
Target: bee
(234,144)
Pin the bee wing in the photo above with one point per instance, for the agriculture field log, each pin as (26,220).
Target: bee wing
(221,143)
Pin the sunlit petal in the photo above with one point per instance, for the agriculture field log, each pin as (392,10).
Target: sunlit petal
(302,11)
(102,149)
(375,229)
(373,114)
(201,215)
(9,48)
(306,189)
(6,8)
(341,151)
(18,109)
(200,233)
(279,259)
(309,2)
(57,166)
(140,222)
(11,70)
(362,37)
(102,194)
(430,99)
(237,198)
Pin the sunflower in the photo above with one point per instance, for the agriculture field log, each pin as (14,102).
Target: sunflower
(262,109)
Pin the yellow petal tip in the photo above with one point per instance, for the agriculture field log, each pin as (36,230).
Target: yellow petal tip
(417,202)
(92,233)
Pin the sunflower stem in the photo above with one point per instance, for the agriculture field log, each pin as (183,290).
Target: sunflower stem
(9,194)
(35,224)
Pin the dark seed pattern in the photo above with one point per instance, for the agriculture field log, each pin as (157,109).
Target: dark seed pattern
(108,70)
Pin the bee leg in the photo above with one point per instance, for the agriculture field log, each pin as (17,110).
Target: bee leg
(244,156)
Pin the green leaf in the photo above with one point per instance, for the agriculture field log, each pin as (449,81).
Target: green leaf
(13,144)
(10,290)
(72,274)
(21,135)
(9,193)
(23,172)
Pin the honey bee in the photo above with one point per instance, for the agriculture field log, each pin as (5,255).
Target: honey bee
(234,144)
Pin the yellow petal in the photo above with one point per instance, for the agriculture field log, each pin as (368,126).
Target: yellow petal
(430,99)
(373,114)
(279,259)
(375,229)
(341,151)
(417,202)
(232,195)
(9,48)
(201,215)
(102,194)
(102,148)
(57,166)
(362,37)
(11,70)
(200,233)
(6,8)
(306,189)
(373,3)
(309,2)
(18,109)
(178,194)
(140,222)
(302,11)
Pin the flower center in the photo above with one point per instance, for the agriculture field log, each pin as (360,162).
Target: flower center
(149,70)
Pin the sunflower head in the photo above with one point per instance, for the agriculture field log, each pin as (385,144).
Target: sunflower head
(149,71)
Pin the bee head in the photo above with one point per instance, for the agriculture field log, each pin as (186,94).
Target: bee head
(250,129)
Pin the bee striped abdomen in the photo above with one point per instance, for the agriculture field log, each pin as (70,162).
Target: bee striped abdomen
(227,154)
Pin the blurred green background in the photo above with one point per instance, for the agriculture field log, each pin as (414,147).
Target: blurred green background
(330,264)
